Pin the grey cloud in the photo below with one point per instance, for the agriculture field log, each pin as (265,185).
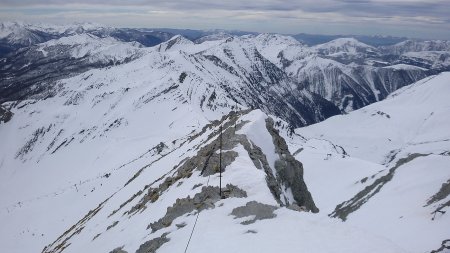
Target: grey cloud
(436,10)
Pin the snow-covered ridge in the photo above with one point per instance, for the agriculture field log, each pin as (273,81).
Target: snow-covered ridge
(418,46)
(386,164)
(82,45)
(214,37)
(347,73)
(14,28)
(346,45)
(123,154)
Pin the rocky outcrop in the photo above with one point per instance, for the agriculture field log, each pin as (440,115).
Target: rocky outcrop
(255,210)
(5,115)
(445,246)
(201,201)
(443,193)
(154,244)
(345,208)
(118,250)
(290,171)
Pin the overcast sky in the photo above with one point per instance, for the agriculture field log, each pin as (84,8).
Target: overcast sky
(411,18)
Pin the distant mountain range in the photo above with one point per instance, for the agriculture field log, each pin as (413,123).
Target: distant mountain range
(16,34)
(317,81)
(144,140)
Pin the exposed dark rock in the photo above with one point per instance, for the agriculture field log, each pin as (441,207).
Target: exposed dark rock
(5,114)
(259,159)
(347,207)
(154,244)
(112,225)
(362,181)
(298,208)
(196,186)
(118,250)
(96,236)
(182,77)
(290,171)
(125,203)
(151,196)
(298,151)
(440,208)
(181,225)
(205,160)
(62,242)
(445,245)
(201,201)
(441,194)
(257,210)
(35,138)
(25,74)
(160,147)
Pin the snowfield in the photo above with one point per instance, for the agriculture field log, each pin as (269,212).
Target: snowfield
(406,131)
(124,157)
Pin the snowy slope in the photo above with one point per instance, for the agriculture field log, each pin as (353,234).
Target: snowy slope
(355,78)
(126,206)
(417,46)
(98,49)
(344,45)
(344,71)
(28,34)
(387,164)
(34,70)
(231,71)
(120,148)
(109,134)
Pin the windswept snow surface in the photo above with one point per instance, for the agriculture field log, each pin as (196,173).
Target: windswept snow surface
(75,153)
(92,162)
(41,220)
(82,45)
(407,133)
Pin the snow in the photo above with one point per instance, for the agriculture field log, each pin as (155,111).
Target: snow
(82,45)
(216,231)
(258,134)
(100,129)
(418,46)
(28,34)
(213,37)
(376,137)
(399,206)
(405,66)
(401,120)
(347,45)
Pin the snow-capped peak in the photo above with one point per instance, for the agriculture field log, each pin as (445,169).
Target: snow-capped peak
(418,46)
(81,45)
(347,45)
(270,39)
(177,42)
(222,35)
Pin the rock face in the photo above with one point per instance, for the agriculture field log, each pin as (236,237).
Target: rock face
(290,171)
(353,87)
(302,85)
(346,208)
(445,246)
(201,201)
(256,210)
(189,189)
(154,244)
(5,115)
(118,250)
(35,70)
